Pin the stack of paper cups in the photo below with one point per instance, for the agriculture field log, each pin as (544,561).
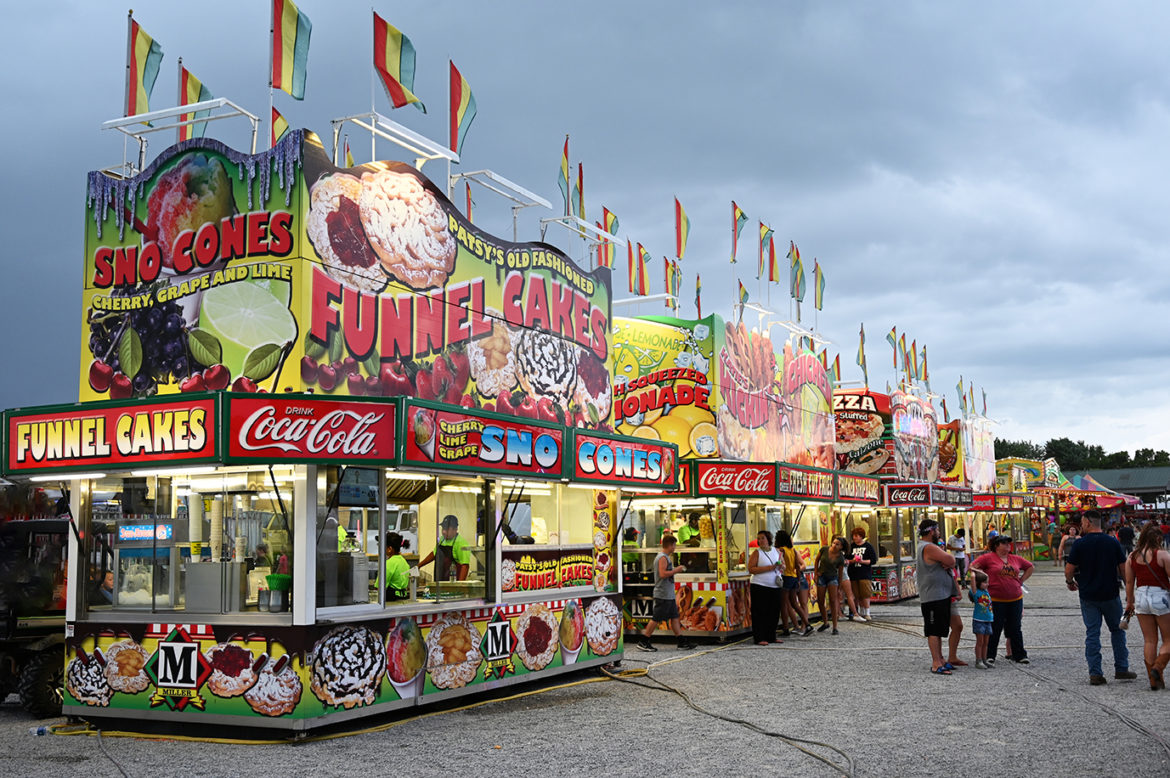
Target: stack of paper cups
(241,548)
(195,525)
(216,539)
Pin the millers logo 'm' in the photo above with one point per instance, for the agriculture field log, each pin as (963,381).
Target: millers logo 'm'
(311,428)
(918,494)
(737,479)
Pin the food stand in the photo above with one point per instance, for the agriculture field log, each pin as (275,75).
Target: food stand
(395,373)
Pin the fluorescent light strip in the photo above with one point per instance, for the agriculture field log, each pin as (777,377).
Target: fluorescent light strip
(67,477)
(173,471)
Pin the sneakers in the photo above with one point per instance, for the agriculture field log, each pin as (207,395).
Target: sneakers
(1096,680)
(860,618)
(1124,675)
(1025,661)
(644,645)
(687,645)
(823,627)
(785,632)
(835,631)
(981,665)
(809,630)
(990,661)
(850,616)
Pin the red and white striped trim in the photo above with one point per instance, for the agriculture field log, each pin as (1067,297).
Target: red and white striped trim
(194,630)
(704,586)
(485,614)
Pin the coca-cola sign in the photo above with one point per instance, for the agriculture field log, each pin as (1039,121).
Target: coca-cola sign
(983,502)
(908,495)
(297,428)
(736,480)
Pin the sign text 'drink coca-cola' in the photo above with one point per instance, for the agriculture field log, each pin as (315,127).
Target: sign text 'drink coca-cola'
(310,429)
(737,479)
(912,494)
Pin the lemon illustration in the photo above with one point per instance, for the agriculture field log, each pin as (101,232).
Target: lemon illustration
(692,414)
(649,433)
(703,439)
(244,315)
(675,430)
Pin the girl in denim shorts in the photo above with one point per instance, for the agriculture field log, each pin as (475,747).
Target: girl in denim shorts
(982,618)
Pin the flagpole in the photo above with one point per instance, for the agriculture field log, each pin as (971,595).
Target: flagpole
(129,49)
(373,110)
(271,53)
(179,127)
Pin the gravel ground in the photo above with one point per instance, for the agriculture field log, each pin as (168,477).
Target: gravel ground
(867,692)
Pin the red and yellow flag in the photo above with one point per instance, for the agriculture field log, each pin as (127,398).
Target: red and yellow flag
(738,219)
(290,48)
(279,126)
(394,61)
(682,229)
(191,90)
(773,265)
(765,236)
(639,284)
(462,108)
(563,176)
(144,57)
(348,153)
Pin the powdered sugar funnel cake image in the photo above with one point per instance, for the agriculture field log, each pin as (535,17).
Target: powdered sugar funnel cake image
(602,626)
(277,689)
(407,229)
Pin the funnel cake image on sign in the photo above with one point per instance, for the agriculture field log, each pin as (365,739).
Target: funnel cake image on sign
(407,229)
(602,626)
(126,667)
(334,225)
(85,679)
(537,635)
(453,654)
(277,689)
(347,667)
(232,671)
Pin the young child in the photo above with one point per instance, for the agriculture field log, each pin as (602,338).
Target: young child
(981,620)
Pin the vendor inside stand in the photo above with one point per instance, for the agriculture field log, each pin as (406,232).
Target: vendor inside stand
(451,555)
(689,537)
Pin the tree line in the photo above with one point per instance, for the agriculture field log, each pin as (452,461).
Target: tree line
(1079,456)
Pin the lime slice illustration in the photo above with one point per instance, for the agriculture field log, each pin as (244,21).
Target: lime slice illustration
(244,315)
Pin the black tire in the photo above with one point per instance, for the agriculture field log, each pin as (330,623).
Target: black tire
(41,682)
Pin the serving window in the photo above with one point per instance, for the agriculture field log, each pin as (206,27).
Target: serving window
(548,535)
(216,540)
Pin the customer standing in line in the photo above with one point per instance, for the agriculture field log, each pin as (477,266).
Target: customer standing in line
(1006,573)
(766,568)
(1054,538)
(1125,535)
(1147,593)
(936,583)
(1093,568)
(863,557)
(790,596)
(1072,534)
(957,546)
(665,607)
(830,562)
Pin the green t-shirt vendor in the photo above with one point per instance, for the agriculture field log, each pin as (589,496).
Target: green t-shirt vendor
(630,546)
(451,552)
(689,530)
(397,569)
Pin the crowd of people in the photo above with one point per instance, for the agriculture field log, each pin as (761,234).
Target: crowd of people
(1101,564)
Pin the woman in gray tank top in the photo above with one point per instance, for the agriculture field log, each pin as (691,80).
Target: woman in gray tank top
(935,586)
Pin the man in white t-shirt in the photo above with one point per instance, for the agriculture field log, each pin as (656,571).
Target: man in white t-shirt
(957,546)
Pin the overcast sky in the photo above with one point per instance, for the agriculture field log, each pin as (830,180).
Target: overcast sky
(992,179)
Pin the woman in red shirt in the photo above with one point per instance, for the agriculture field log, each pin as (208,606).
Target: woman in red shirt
(1147,593)
(1006,573)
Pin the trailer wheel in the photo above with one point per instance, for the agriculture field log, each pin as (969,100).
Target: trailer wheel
(40,684)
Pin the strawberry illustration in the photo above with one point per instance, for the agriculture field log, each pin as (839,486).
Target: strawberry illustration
(468,401)
(423,384)
(461,368)
(504,405)
(545,410)
(527,408)
(489,406)
(443,382)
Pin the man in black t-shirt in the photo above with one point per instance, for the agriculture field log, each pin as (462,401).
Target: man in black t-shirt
(1125,537)
(862,559)
(1097,562)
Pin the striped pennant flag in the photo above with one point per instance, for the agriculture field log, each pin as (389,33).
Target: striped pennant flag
(348,153)
(470,202)
(824,357)
(905,356)
(580,187)
(290,48)
(773,265)
(682,229)
(738,219)
(394,61)
(971,393)
(698,297)
(765,235)
(962,395)
(892,338)
(462,108)
(641,278)
(914,359)
(192,90)
(563,179)
(144,56)
(818,286)
(631,268)
(279,126)
(743,294)
(797,281)
(984,391)
(861,361)
(609,221)
(925,372)
(835,372)
(946,413)
(604,249)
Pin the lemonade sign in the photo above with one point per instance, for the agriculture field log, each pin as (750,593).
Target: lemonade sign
(663,388)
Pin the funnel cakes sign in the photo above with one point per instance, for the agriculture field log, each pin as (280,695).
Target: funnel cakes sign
(474,442)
